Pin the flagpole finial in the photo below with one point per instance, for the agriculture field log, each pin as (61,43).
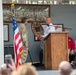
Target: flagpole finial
(13,8)
(12,4)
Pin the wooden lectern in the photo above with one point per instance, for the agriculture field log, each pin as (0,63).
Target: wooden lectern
(55,49)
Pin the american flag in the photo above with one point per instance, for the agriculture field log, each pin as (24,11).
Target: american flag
(18,46)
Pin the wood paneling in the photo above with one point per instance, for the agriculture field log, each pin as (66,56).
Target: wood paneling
(56,49)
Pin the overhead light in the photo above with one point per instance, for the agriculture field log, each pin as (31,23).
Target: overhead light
(40,1)
(71,2)
(55,2)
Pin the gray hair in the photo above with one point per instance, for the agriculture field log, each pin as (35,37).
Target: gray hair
(66,71)
(65,68)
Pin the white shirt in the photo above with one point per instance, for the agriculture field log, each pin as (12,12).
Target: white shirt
(48,30)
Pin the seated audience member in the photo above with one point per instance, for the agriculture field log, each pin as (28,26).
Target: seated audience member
(4,70)
(25,69)
(71,48)
(65,68)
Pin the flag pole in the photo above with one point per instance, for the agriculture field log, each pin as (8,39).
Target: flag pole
(18,45)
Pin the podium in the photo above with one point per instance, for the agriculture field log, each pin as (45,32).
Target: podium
(55,49)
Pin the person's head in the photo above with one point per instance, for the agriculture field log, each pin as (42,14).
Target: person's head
(4,70)
(48,20)
(24,20)
(15,73)
(65,68)
(25,69)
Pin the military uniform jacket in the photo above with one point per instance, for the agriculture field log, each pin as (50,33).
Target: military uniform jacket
(24,36)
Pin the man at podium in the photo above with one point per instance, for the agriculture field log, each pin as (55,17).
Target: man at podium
(50,28)
(47,30)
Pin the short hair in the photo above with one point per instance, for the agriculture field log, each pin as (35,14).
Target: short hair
(65,68)
(23,19)
(4,70)
(25,69)
(66,71)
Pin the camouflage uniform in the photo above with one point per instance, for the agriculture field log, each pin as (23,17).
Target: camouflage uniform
(24,36)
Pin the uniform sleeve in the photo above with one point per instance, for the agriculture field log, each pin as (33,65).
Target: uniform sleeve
(24,34)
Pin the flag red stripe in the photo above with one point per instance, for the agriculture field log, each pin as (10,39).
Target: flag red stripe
(21,48)
(17,35)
